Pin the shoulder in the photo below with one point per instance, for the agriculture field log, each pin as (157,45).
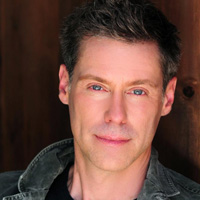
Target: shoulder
(9,182)
(172,185)
(188,188)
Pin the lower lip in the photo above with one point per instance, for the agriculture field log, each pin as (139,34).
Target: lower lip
(111,141)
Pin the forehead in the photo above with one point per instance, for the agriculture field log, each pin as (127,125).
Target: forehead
(102,56)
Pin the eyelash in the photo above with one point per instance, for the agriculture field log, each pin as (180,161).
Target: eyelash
(92,87)
(137,92)
(96,87)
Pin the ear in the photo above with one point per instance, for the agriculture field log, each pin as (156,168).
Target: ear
(63,84)
(169,96)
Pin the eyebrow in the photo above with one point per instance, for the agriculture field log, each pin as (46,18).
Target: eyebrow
(92,77)
(143,82)
(102,80)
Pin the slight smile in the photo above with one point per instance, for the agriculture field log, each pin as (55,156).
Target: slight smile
(112,141)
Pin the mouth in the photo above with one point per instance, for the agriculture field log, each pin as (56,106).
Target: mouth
(111,140)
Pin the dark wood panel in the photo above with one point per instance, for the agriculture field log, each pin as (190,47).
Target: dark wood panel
(178,136)
(31,114)
(1,22)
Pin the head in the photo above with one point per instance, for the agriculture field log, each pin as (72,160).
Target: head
(131,21)
(120,57)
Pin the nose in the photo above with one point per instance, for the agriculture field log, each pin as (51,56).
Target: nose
(116,112)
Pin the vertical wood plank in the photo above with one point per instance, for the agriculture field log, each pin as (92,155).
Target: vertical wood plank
(178,137)
(1,25)
(29,60)
(31,114)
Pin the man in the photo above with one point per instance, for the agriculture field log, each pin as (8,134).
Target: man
(119,78)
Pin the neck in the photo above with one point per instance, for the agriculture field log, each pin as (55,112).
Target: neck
(88,182)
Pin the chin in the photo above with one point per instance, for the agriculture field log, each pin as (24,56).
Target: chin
(110,163)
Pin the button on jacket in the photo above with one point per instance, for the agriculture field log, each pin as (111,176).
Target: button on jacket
(34,183)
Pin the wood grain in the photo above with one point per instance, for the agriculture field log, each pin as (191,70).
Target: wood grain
(178,137)
(31,115)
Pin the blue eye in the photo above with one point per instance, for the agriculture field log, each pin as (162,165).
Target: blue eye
(96,87)
(138,92)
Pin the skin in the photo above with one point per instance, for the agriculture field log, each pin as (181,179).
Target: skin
(115,102)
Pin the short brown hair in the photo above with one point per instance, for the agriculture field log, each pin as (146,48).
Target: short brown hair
(128,20)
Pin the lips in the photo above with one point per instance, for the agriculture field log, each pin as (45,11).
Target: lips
(112,140)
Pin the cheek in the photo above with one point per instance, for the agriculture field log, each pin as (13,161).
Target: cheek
(145,115)
(85,110)
(144,119)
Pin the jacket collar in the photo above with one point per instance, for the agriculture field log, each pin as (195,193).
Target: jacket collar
(158,183)
(49,163)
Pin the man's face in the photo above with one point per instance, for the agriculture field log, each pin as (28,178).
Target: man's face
(115,102)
